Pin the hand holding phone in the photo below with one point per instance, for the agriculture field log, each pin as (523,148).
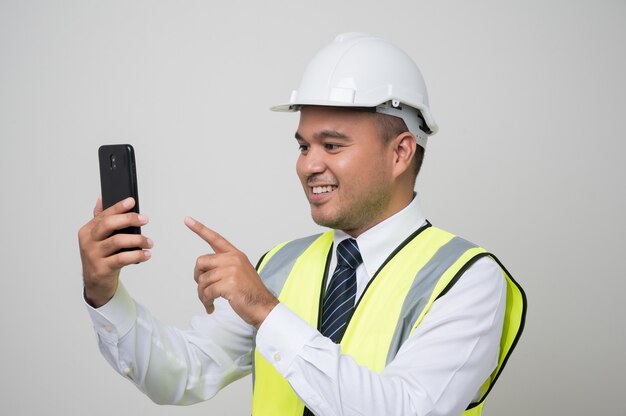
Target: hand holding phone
(103,257)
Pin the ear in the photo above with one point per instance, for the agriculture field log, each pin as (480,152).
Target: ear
(403,152)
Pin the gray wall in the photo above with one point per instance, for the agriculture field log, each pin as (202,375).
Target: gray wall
(530,97)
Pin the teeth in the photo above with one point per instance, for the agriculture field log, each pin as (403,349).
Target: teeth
(322,189)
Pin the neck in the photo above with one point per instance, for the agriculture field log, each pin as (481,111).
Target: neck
(396,204)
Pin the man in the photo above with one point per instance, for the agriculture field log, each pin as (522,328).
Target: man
(401,318)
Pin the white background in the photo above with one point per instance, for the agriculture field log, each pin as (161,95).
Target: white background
(530,97)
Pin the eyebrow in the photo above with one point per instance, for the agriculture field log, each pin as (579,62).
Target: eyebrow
(324,134)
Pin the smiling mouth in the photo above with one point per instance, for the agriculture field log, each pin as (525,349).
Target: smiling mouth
(323,189)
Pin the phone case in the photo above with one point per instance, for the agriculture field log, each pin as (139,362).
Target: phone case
(118,178)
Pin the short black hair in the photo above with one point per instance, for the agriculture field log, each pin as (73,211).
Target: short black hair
(391,127)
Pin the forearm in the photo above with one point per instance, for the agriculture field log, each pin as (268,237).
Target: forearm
(331,383)
(169,365)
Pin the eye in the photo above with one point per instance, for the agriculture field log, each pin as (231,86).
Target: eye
(331,146)
(303,147)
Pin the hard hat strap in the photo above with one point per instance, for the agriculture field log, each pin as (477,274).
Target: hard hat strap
(411,117)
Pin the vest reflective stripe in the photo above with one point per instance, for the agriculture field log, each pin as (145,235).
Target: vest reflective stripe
(283,258)
(418,280)
(421,288)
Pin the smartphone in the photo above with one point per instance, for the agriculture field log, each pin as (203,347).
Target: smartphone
(118,178)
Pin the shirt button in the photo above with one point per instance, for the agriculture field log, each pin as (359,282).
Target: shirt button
(277,356)
(126,371)
(108,328)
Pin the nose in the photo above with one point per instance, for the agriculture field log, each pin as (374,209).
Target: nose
(312,162)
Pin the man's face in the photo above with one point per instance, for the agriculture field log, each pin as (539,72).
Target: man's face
(345,168)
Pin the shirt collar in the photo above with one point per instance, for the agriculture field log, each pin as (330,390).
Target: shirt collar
(377,243)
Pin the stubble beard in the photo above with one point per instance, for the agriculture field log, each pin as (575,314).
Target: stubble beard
(358,215)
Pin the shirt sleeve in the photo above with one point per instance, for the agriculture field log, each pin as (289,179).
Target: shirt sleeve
(170,365)
(438,370)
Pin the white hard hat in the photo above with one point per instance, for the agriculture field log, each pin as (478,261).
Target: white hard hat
(359,70)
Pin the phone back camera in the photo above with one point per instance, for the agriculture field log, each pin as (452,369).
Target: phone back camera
(113,160)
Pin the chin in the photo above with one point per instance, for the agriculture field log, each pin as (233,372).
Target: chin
(323,220)
(336,223)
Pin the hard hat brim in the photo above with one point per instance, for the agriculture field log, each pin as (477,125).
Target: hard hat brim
(292,108)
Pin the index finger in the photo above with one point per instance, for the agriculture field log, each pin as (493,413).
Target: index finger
(218,243)
(119,208)
(98,208)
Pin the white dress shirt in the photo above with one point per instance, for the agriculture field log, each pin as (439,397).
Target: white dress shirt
(437,371)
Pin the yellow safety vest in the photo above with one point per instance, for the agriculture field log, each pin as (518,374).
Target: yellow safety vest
(391,307)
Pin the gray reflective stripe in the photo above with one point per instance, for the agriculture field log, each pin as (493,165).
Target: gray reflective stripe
(277,268)
(422,288)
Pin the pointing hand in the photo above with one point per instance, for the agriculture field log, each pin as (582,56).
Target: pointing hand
(229,274)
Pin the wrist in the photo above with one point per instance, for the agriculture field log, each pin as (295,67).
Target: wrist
(98,297)
(265,310)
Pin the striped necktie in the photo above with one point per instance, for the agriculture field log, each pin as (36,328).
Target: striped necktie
(339,299)
(340,296)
